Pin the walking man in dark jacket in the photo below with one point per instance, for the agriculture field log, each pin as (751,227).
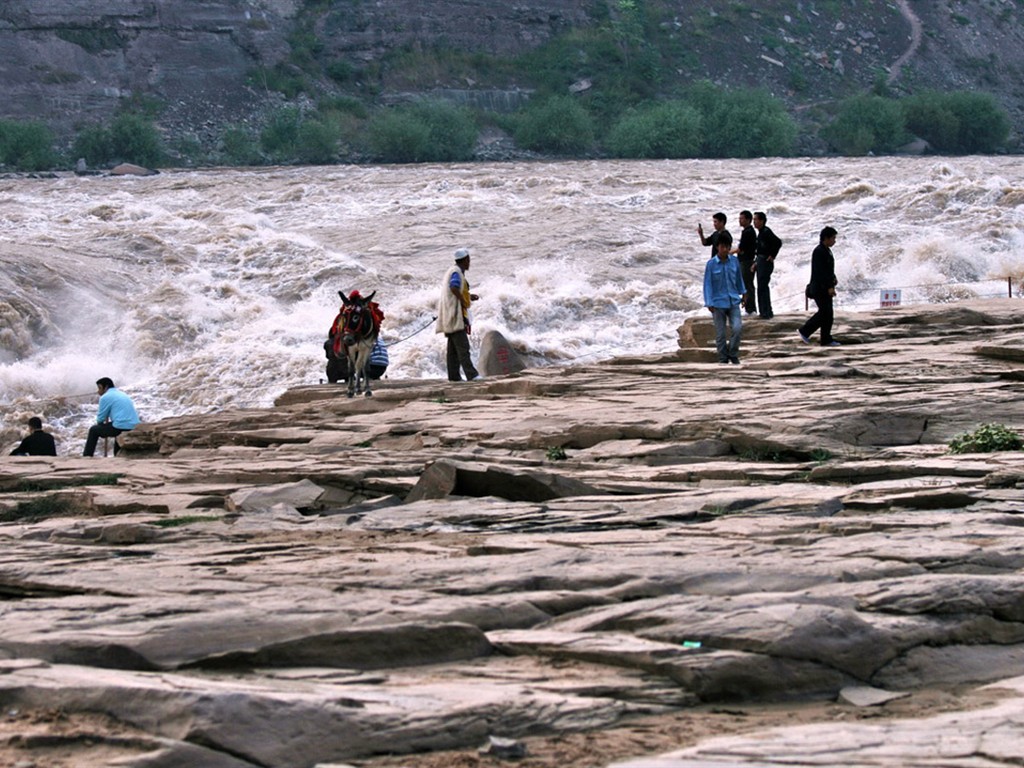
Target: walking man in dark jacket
(822,289)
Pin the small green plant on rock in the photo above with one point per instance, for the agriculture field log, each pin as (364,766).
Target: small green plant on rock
(556,453)
(986,439)
(44,507)
(757,453)
(821,455)
(176,522)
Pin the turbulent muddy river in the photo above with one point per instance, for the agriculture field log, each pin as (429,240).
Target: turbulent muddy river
(200,290)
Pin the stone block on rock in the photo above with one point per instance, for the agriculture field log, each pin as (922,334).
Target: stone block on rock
(301,495)
(497,357)
(444,478)
(128,169)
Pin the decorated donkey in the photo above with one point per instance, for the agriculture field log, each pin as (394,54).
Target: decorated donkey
(355,332)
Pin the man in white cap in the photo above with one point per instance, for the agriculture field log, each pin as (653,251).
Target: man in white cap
(453,317)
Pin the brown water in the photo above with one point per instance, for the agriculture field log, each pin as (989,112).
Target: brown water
(199,290)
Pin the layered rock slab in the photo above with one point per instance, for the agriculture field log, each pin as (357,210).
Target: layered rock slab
(679,554)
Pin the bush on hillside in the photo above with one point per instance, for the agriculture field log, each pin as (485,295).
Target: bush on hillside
(867,123)
(424,132)
(280,136)
(316,143)
(742,123)
(26,146)
(130,139)
(395,136)
(558,124)
(92,144)
(240,147)
(134,139)
(960,122)
(669,130)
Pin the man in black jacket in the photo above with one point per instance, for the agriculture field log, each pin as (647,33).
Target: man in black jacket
(38,443)
(767,248)
(745,252)
(822,289)
(718,222)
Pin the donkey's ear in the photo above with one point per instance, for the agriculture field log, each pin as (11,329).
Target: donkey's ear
(344,298)
(370,297)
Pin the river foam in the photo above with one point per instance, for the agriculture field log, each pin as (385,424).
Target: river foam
(200,290)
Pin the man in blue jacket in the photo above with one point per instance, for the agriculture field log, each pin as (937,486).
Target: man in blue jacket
(117,414)
(723,296)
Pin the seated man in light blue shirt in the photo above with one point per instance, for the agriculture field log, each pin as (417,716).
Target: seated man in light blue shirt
(117,414)
(723,296)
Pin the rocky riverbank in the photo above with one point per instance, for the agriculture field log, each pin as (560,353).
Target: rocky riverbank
(334,580)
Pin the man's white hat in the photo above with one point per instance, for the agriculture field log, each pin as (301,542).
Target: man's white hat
(462,253)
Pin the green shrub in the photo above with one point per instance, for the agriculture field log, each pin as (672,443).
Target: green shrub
(986,439)
(177,522)
(133,139)
(346,105)
(742,123)
(280,136)
(130,138)
(558,124)
(432,131)
(93,144)
(669,130)
(280,78)
(396,136)
(317,143)
(556,453)
(453,130)
(43,507)
(240,146)
(749,123)
(340,71)
(867,123)
(54,483)
(928,117)
(26,146)
(960,122)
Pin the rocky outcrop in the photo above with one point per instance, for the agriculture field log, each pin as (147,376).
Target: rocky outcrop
(331,578)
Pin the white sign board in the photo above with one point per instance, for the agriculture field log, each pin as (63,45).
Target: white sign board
(890,297)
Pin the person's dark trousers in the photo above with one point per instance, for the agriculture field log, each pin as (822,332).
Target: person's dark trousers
(764,291)
(822,319)
(458,355)
(96,431)
(750,302)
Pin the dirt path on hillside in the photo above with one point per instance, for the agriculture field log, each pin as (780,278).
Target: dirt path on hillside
(915,41)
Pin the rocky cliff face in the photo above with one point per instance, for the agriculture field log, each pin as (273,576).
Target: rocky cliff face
(71,62)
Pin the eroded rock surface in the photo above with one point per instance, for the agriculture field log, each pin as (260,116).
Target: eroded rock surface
(332,579)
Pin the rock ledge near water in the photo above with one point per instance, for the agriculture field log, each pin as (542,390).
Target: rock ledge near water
(334,579)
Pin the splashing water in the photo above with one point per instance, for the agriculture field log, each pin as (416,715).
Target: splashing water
(197,291)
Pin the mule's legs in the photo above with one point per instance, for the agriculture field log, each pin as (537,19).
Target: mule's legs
(351,372)
(363,363)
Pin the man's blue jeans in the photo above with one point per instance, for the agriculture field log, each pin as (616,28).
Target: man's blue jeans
(728,319)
